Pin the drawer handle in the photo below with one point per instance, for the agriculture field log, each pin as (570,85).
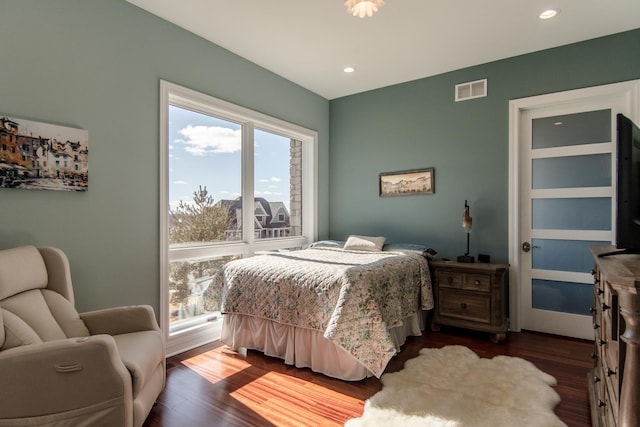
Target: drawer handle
(599,291)
(594,356)
(592,310)
(605,307)
(602,342)
(596,380)
(463,305)
(449,279)
(477,282)
(601,403)
(610,372)
(595,326)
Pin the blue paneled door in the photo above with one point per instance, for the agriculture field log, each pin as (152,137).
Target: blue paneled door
(567,169)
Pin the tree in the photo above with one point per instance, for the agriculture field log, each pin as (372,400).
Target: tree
(200,221)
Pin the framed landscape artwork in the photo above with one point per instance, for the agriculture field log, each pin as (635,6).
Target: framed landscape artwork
(35,155)
(406,183)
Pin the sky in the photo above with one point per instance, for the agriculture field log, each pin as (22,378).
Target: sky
(205,151)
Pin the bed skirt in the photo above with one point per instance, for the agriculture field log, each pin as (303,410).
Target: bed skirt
(305,348)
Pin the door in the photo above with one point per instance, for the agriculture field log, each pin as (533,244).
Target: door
(565,152)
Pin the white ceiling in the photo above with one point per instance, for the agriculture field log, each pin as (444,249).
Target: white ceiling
(309,42)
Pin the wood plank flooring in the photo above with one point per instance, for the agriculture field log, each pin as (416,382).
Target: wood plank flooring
(213,386)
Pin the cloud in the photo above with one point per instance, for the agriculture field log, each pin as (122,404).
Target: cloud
(204,140)
(274,179)
(268,193)
(180,182)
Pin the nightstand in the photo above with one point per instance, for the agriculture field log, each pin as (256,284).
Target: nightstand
(472,296)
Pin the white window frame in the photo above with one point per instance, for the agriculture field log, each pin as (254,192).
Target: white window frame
(172,94)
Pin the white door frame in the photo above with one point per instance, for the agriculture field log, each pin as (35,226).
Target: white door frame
(628,94)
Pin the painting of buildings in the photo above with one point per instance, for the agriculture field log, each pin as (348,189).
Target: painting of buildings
(36,155)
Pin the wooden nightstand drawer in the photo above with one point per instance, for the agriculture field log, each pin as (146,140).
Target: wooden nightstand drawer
(477,282)
(464,305)
(450,279)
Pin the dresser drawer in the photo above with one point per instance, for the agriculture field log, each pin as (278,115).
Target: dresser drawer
(449,279)
(477,282)
(612,403)
(458,280)
(464,305)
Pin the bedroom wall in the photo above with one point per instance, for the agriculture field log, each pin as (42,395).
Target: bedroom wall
(96,65)
(417,124)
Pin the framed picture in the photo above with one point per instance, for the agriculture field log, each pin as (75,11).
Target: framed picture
(407,183)
(36,155)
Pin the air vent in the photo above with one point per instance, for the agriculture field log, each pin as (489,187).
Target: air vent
(471,90)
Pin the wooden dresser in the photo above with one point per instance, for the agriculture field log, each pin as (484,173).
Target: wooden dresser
(471,295)
(614,382)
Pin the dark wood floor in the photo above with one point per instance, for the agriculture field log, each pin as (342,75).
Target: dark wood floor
(213,386)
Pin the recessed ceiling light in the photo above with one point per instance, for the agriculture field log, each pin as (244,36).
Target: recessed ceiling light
(348,69)
(549,13)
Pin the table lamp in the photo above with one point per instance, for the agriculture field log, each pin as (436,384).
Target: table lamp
(467,224)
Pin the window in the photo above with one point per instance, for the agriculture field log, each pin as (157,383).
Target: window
(234,182)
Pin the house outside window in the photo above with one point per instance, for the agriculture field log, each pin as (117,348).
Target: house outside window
(218,161)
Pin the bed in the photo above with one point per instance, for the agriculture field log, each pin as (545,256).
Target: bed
(343,311)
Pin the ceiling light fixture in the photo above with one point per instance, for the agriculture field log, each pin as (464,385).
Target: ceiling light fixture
(549,13)
(349,69)
(363,8)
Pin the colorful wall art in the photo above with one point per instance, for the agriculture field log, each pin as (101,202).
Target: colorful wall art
(43,156)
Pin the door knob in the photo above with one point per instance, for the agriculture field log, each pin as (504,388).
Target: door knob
(526,246)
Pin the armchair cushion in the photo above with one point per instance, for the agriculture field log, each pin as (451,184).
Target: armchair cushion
(17,331)
(41,313)
(141,352)
(65,314)
(21,269)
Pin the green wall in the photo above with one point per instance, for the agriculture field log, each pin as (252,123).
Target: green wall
(417,124)
(96,65)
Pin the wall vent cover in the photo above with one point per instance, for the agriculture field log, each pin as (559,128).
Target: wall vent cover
(470,90)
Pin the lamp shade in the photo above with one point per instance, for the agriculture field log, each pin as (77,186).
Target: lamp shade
(467,221)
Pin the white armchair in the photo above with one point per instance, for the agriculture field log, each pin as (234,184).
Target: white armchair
(58,367)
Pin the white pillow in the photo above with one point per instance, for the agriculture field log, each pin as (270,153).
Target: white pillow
(364,243)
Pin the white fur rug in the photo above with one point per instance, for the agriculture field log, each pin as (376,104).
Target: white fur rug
(453,387)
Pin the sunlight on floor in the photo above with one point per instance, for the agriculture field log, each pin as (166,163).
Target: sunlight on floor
(271,394)
(275,393)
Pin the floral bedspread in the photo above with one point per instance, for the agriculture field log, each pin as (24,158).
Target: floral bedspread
(352,297)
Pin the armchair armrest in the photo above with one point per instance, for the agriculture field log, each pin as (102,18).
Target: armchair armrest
(120,320)
(63,375)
